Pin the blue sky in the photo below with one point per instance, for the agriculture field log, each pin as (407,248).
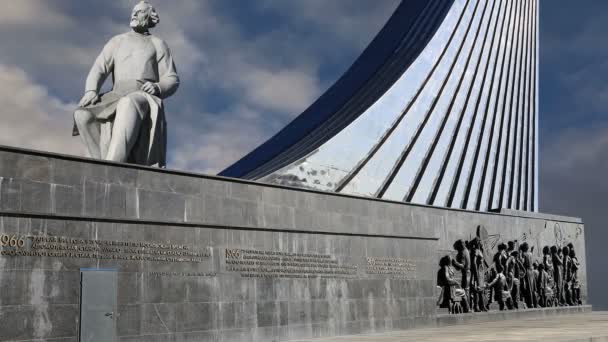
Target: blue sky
(249,67)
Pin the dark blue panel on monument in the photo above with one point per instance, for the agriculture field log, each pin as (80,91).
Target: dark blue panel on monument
(391,52)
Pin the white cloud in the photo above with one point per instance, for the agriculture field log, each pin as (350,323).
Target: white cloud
(28,12)
(279,89)
(31,118)
(285,90)
(185,52)
(576,151)
(227,137)
(352,22)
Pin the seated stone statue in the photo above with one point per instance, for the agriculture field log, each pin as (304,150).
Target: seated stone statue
(128,124)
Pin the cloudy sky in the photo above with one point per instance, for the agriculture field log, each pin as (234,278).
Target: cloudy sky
(574,124)
(249,67)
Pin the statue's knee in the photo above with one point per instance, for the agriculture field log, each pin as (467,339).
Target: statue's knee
(83,117)
(131,107)
(125,103)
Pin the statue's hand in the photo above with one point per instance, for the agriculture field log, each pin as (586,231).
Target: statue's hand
(150,88)
(90,97)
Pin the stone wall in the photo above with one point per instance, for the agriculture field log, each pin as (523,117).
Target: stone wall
(198,256)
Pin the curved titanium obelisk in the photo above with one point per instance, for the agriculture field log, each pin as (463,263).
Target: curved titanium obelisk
(440,109)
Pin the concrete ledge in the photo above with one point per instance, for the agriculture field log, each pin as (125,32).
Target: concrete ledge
(168,224)
(494,316)
(541,216)
(570,324)
(134,168)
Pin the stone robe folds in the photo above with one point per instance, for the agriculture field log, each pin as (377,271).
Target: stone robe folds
(134,59)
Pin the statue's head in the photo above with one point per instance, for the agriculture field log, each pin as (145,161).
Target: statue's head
(144,16)
(474,244)
(511,245)
(459,245)
(446,260)
(570,245)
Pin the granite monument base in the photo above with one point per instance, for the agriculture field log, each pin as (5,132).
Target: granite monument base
(99,251)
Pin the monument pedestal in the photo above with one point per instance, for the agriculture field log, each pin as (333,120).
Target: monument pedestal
(131,253)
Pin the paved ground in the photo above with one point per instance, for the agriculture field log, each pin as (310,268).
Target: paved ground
(588,327)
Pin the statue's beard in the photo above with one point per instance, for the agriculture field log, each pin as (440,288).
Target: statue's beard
(139,24)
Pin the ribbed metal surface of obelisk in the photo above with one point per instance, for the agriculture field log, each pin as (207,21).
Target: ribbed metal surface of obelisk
(440,109)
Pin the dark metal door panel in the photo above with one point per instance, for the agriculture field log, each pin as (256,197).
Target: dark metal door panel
(98,310)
